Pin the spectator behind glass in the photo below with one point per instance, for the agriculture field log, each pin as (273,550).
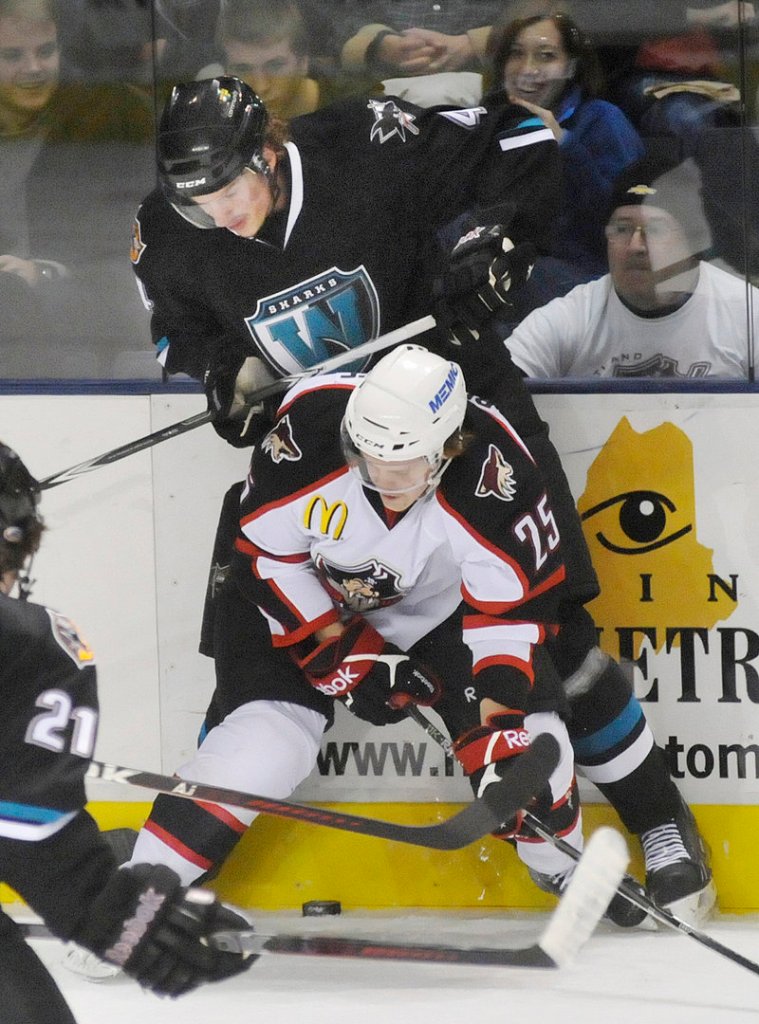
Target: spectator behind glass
(543,62)
(661,311)
(673,68)
(66,301)
(140,42)
(268,44)
(427,53)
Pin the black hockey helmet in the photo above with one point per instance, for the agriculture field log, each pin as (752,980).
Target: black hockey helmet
(209,132)
(20,523)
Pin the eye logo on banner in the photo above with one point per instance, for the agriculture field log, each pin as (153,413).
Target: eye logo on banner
(640,521)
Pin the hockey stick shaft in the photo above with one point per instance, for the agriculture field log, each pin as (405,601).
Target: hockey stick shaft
(628,887)
(476,820)
(410,330)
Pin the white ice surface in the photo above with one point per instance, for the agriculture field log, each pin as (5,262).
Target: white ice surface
(640,977)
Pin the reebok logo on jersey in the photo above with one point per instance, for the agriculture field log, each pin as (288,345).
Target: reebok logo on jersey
(496,477)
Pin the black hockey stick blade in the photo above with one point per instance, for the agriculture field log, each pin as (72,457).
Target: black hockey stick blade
(410,330)
(569,927)
(632,891)
(476,820)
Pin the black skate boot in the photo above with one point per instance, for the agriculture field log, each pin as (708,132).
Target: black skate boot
(678,876)
(620,911)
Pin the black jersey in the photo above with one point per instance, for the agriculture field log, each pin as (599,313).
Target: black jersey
(353,256)
(316,546)
(50,850)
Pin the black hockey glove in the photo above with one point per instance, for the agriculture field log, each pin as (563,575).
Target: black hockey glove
(146,922)
(373,678)
(486,754)
(483,272)
(228,389)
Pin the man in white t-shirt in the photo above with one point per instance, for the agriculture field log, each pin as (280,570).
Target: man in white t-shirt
(660,311)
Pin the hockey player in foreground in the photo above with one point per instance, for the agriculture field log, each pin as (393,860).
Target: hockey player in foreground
(398,539)
(51,852)
(325,240)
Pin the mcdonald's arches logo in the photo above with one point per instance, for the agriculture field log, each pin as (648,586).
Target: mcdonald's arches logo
(332,518)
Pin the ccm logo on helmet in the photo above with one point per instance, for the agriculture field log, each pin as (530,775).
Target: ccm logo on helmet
(445,391)
(191,184)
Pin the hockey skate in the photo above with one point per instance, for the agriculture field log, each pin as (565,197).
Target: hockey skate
(620,911)
(87,965)
(678,876)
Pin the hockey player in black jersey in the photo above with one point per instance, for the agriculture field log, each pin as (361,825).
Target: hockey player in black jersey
(318,235)
(315,243)
(51,851)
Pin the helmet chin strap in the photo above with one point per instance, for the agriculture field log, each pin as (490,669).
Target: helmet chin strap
(260,166)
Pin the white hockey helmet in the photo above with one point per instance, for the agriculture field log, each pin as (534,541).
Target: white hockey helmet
(405,408)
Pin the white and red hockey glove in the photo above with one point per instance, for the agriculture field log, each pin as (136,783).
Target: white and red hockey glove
(487,752)
(373,678)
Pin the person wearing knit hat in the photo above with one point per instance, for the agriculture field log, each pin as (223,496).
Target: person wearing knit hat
(662,310)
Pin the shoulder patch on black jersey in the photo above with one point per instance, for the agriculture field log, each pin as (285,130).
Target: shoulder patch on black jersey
(280,444)
(496,477)
(67,637)
(138,246)
(390,120)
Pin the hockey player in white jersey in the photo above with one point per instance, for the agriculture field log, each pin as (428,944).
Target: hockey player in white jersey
(398,540)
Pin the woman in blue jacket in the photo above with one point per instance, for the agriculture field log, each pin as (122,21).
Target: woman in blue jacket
(546,64)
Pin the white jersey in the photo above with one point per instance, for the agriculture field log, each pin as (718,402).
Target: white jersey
(590,333)
(316,546)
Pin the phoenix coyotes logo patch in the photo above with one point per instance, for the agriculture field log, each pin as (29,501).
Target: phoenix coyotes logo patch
(280,444)
(390,120)
(496,477)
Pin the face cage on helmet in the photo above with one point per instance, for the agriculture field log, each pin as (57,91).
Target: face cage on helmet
(356,461)
(187,208)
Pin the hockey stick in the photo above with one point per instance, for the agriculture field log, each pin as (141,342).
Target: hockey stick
(476,820)
(569,927)
(628,886)
(410,330)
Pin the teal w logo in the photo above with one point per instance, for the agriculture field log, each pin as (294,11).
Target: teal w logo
(328,314)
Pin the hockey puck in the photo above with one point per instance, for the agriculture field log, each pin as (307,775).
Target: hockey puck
(321,908)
